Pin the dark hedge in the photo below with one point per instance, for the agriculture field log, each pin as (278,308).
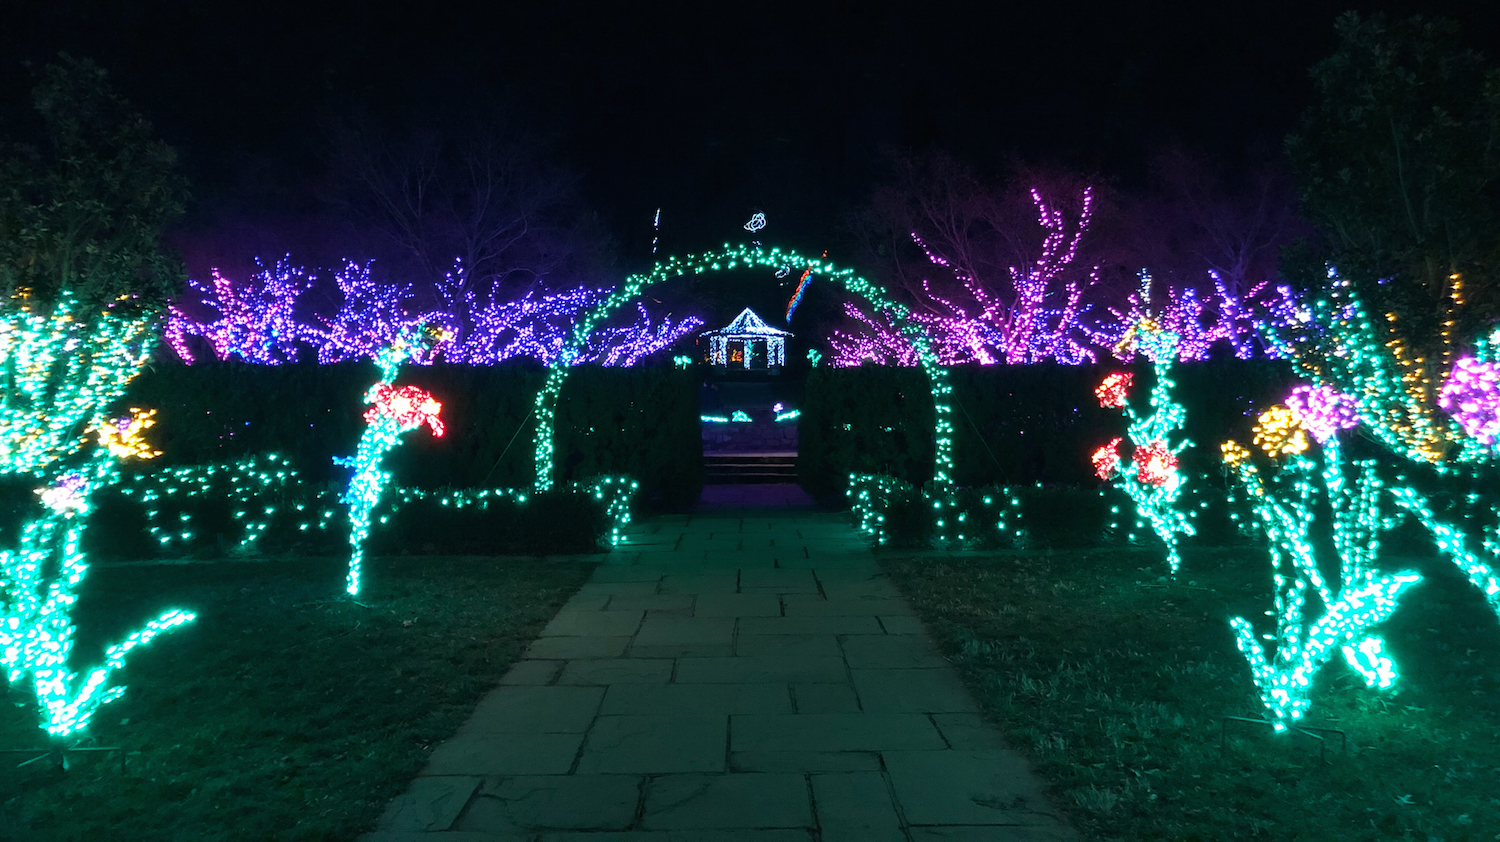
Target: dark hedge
(638,421)
(1013,425)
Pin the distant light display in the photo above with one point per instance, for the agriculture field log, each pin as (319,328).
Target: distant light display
(746,330)
(747,257)
(757,222)
(266,320)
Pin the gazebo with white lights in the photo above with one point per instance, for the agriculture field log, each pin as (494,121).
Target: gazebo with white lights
(747,343)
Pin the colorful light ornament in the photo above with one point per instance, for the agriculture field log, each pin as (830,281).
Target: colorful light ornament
(757,222)
(269,320)
(1361,598)
(395,411)
(60,370)
(747,257)
(1151,479)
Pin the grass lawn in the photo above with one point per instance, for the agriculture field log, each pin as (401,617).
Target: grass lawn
(285,712)
(1114,684)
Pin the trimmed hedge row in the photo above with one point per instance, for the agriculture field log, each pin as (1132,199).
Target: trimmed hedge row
(1013,425)
(638,421)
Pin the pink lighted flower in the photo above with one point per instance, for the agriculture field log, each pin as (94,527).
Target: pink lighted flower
(1113,390)
(1323,411)
(1155,464)
(1107,459)
(1471,395)
(409,406)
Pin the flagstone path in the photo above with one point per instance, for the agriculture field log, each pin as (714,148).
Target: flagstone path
(725,676)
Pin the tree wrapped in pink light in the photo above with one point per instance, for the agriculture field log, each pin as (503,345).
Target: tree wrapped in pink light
(1031,317)
(272,319)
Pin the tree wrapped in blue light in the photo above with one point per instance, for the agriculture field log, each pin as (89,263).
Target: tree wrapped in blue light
(393,412)
(1362,597)
(1150,477)
(60,371)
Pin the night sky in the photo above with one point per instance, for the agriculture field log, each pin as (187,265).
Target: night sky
(789,109)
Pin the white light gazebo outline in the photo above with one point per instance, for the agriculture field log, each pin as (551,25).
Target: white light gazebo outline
(749,329)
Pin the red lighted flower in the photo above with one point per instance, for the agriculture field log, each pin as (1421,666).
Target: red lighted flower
(1113,390)
(1107,459)
(1155,464)
(409,406)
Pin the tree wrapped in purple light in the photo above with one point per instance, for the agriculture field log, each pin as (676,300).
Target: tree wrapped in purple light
(255,320)
(1197,323)
(272,319)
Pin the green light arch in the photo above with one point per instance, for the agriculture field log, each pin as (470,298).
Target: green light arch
(746,257)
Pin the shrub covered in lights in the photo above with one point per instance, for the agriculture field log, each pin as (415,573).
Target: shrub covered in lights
(1287,510)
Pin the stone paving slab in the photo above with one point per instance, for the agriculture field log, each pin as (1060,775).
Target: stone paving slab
(606,672)
(881,732)
(730,677)
(856,807)
(552,802)
(753,801)
(656,744)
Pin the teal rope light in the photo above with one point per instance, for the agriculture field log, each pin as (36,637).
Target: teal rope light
(746,257)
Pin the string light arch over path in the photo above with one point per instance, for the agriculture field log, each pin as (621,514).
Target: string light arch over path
(748,257)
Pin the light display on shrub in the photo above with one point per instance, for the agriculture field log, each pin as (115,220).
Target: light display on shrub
(395,411)
(268,320)
(60,371)
(1361,597)
(747,257)
(1333,342)
(1151,477)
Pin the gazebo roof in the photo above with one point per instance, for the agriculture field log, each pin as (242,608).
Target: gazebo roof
(747,324)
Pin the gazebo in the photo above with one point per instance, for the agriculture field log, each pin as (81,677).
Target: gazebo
(736,344)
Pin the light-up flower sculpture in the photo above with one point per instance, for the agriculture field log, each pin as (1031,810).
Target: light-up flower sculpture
(1359,599)
(60,372)
(393,413)
(1113,391)
(1322,411)
(1151,478)
(1279,432)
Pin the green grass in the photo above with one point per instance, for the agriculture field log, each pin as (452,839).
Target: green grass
(1114,684)
(284,712)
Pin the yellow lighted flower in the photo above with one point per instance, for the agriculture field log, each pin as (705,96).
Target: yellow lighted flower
(122,437)
(1279,433)
(1233,454)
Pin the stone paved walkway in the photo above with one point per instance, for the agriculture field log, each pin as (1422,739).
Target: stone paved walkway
(729,676)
